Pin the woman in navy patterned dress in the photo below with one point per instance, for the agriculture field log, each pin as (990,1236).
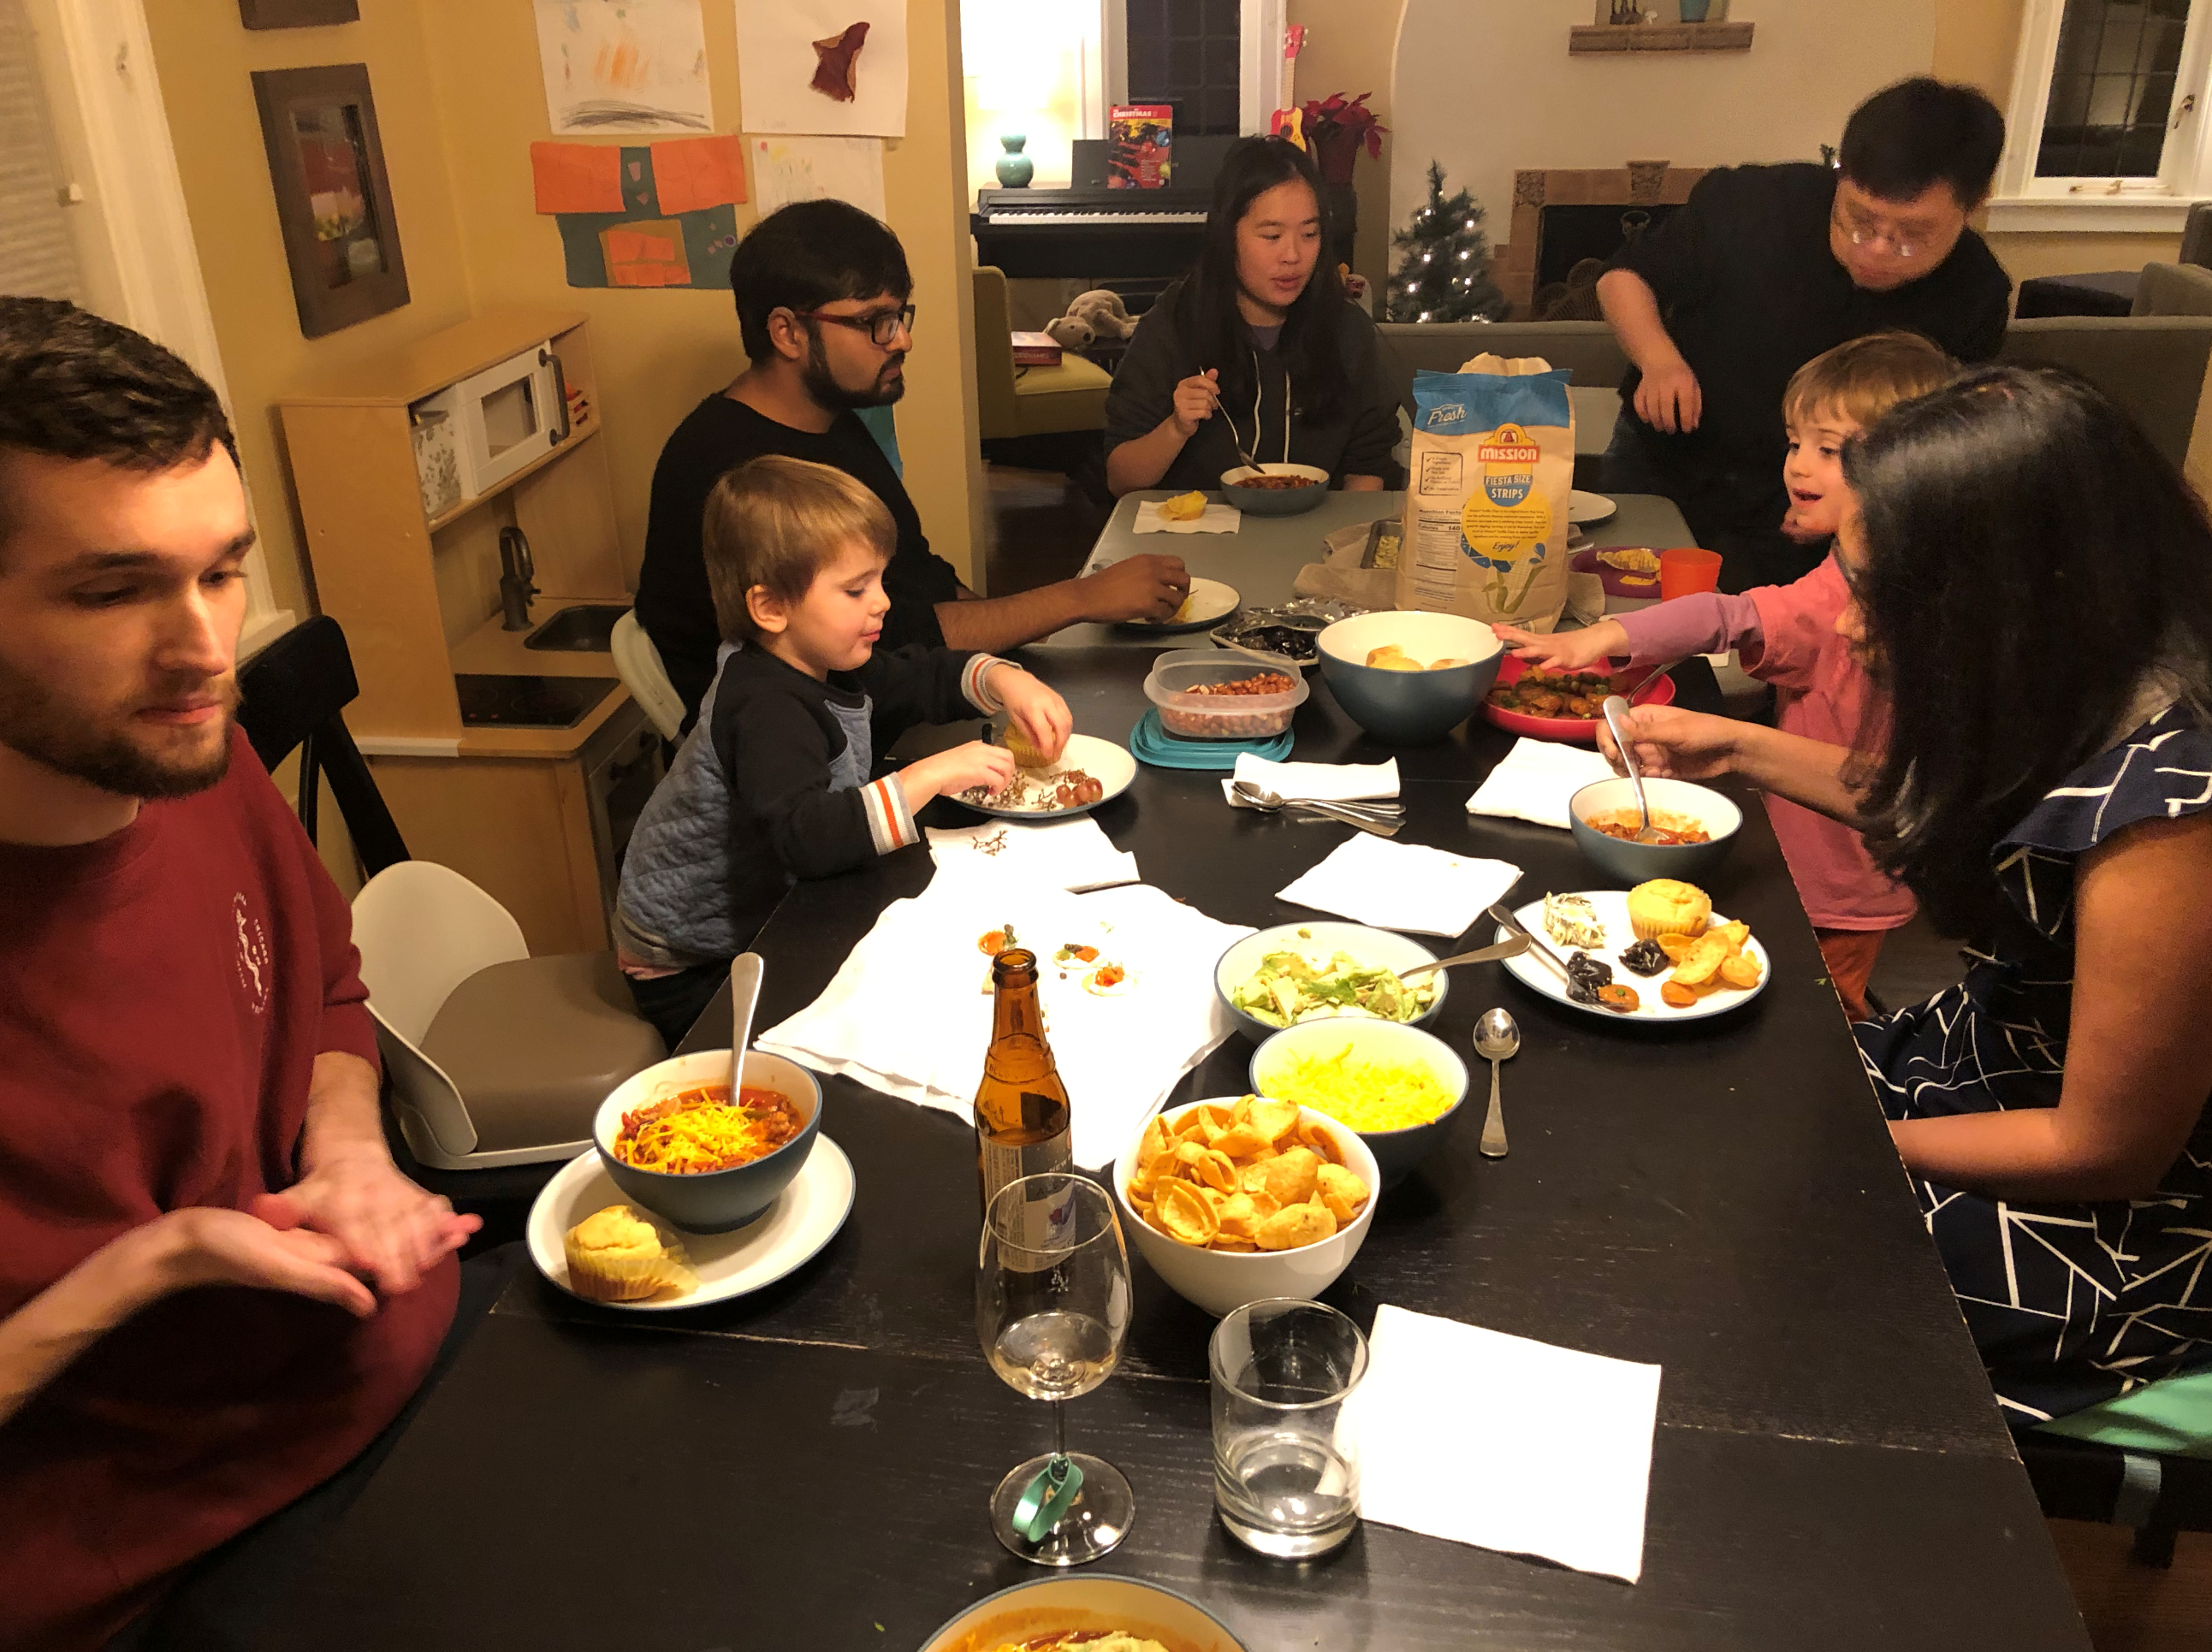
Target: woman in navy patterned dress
(2032,590)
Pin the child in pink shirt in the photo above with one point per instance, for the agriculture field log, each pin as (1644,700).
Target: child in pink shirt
(1786,636)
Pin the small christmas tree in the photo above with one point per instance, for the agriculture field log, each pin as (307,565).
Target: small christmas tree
(1444,274)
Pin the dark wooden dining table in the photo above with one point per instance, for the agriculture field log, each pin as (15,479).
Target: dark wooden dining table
(808,1467)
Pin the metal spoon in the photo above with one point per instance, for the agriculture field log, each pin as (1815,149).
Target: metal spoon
(1511,949)
(745,994)
(1379,825)
(1495,1039)
(1379,808)
(1616,719)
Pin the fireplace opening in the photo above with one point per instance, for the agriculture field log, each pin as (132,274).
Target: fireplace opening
(1565,235)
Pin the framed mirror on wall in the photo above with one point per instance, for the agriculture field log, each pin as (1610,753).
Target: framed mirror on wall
(333,199)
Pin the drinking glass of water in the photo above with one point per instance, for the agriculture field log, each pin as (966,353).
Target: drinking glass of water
(1052,1309)
(1285,1468)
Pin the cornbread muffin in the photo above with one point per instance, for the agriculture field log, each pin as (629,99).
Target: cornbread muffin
(1665,906)
(1026,754)
(616,1255)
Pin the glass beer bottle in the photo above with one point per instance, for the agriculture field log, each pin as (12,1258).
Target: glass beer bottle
(1021,1109)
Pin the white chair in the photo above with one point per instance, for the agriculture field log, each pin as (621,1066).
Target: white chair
(639,664)
(495,1057)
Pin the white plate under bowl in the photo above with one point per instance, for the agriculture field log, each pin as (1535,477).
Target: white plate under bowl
(1109,764)
(1209,603)
(805,1217)
(1585,507)
(1611,907)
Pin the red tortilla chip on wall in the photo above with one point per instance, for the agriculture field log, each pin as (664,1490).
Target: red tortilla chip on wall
(647,253)
(577,176)
(691,172)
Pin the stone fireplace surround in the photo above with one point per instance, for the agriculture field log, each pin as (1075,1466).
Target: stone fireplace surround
(1638,183)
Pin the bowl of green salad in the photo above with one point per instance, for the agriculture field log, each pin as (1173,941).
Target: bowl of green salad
(1276,978)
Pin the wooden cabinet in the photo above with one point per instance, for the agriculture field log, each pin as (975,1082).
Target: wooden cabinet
(535,815)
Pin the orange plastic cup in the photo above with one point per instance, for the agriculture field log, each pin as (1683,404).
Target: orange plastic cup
(1686,571)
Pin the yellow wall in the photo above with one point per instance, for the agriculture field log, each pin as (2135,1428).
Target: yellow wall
(1349,47)
(459,98)
(205,58)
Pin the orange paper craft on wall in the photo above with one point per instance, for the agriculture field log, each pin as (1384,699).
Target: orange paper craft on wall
(576,177)
(647,253)
(691,172)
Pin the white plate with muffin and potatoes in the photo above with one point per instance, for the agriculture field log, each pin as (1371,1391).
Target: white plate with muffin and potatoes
(1609,908)
(805,1217)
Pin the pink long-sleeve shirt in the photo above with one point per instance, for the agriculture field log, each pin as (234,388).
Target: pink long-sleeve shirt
(1786,636)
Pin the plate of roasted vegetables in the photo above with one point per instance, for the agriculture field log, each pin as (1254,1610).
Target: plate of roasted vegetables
(1563,705)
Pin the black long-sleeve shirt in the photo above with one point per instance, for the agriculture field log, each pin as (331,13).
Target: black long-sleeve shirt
(769,789)
(673,603)
(1750,292)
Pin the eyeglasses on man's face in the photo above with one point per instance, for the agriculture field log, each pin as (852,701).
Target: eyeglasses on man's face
(1863,231)
(882,326)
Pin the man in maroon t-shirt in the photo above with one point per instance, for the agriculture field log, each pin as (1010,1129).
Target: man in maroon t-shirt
(216,1288)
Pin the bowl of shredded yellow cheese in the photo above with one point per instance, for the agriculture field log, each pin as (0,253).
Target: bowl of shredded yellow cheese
(1400,1088)
(675,1140)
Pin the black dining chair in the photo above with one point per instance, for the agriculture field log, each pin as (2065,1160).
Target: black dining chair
(2156,1494)
(292,696)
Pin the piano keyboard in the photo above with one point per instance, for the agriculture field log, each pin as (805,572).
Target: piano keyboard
(1096,215)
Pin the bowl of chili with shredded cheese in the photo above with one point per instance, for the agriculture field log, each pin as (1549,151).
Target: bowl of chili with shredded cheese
(676,1140)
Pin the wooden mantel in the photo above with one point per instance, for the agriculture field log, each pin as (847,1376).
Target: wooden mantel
(1659,37)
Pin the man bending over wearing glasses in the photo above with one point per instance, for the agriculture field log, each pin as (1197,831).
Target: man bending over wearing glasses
(1766,267)
(822,294)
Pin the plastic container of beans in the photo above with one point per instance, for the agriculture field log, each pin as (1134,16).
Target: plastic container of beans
(1212,694)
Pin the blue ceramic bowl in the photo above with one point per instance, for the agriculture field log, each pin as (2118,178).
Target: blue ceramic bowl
(1409,708)
(1397,1152)
(713,1201)
(1275,502)
(1671,800)
(1384,948)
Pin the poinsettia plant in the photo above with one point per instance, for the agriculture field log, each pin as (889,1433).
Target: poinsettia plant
(1351,115)
(1336,129)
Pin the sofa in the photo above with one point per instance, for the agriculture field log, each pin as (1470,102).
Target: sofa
(2152,363)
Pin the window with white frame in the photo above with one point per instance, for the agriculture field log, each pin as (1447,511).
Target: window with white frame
(1219,62)
(2107,127)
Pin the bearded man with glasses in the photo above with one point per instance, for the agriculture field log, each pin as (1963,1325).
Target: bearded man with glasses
(1766,267)
(822,291)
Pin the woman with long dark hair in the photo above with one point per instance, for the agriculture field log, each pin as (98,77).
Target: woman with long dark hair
(1256,347)
(2032,589)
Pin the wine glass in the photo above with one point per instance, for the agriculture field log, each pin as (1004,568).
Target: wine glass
(1052,1308)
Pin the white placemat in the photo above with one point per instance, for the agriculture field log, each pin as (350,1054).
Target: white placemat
(1069,854)
(1534,780)
(1479,1437)
(909,1012)
(1404,886)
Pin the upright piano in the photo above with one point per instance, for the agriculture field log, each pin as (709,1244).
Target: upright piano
(1088,231)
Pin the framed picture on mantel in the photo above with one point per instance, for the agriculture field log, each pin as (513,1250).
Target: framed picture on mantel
(333,201)
(297,13)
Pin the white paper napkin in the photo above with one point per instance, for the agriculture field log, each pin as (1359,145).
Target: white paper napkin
(1534,780)
(1330,782)
(1215,519)
(1069,854)
(1479,1437)
(1406,886)
(910,1011)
